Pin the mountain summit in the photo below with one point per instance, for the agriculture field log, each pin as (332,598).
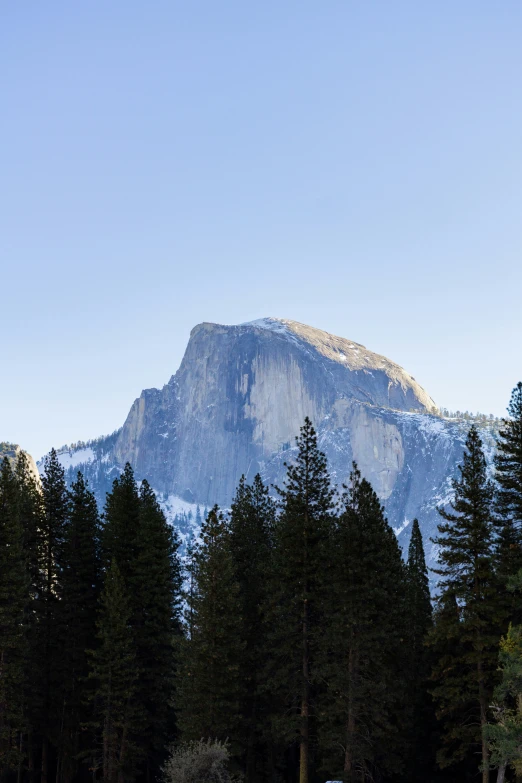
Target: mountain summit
(241,395)
(238,400)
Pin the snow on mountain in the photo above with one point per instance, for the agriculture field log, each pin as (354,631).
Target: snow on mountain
(237,402)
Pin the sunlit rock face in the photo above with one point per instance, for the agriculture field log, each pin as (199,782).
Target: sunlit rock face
(12,451)
(241,395)
(238,400)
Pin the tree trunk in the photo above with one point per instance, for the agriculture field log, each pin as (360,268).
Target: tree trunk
(305,703)
(501,773)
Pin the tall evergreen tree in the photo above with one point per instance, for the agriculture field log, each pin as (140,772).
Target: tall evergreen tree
(466,557)
(78,610)
(453,686)
(419,613)
(508,464)
(30,511)
(362,645)
(49,636)
(114,673)
(121,526)
(157,596)
(14,599)
(211,692)
(251,527)
(300,573)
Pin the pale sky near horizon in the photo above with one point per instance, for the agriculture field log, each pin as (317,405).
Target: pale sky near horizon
(354,166)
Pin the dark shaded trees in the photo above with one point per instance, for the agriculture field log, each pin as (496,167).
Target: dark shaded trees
(299,576)
(14,600)
(138,539)
(363,643)
(212,692)
(117,718)
(421,712)
(508,496)
(252,519)
(49,650)
(80,585)
(468,582)
(157,586)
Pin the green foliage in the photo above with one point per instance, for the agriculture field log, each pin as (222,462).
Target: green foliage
(299,576)
(117,718)
(421,716)
(251,531)
(362,645)
(508,464)
(504,735)
(212,692)
(81,576)
(14,600)
(122,519)
(468,613)
(304,634)
(137,537)
(156,582)
(50,643)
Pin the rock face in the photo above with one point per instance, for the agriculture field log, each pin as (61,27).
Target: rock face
(239,398)
(12,450)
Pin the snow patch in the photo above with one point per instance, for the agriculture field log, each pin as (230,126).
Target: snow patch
(272,324)
(398,530)
(71,459)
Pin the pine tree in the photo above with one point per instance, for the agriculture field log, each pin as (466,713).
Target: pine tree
(14,599)
(504,735)
(300,573)
(466,557)
(211,692)
(157,596)
(364,635)
(508,464)
(30,510)
(137,536)
(50,640)
(78,610)
(419,613)
(453,688)
(114,674)
(120,531)
(251,527)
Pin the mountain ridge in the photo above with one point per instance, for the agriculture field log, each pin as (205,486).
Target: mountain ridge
(238,399)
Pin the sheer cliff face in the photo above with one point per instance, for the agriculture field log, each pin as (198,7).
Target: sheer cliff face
(242,392)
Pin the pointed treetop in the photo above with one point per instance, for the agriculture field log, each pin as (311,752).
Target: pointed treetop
(416,558)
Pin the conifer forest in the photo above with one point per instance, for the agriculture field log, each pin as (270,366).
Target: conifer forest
(291,642)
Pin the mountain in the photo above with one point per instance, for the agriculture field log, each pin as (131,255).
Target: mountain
(236,404)
(12,450)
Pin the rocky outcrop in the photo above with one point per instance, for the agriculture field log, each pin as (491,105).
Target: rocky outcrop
(240,396)
(12,450)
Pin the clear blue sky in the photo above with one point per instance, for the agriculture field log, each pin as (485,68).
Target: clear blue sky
(352,165)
